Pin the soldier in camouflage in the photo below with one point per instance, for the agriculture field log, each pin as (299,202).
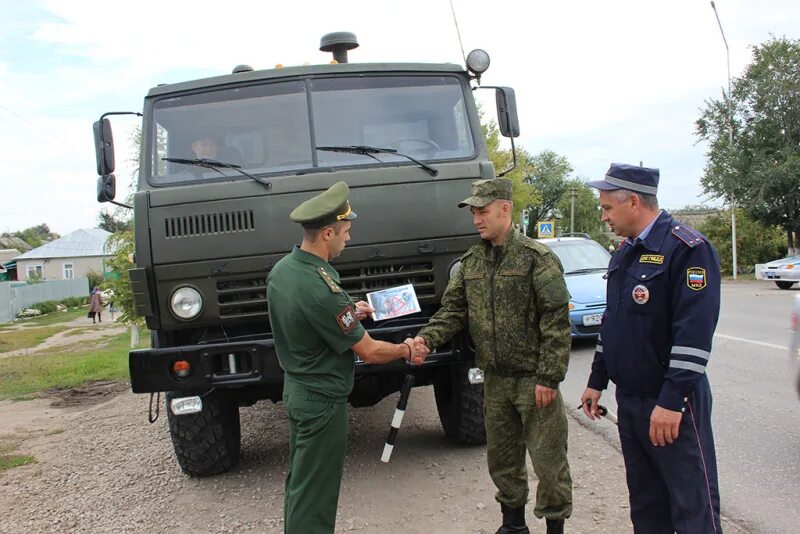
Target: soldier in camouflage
(510,292)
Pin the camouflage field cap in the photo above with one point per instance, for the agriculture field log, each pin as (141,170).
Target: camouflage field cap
(486,191)
(328,207)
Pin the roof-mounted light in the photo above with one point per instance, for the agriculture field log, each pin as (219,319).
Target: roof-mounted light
(478,62)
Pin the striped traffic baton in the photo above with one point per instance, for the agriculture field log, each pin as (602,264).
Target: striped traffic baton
(602,411)
(397,420)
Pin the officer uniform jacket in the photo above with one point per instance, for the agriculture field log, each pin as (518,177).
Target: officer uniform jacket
(663,300)
(314,325)
(515,301)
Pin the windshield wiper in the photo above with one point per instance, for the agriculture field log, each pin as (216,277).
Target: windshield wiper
(370,150)
(587,270)
(217,165)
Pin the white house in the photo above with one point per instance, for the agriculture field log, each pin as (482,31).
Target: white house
(71,256)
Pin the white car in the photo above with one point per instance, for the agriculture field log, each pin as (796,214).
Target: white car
(794,345)
(785,273)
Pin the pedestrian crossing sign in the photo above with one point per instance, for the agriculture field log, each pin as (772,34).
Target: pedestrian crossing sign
(545,229)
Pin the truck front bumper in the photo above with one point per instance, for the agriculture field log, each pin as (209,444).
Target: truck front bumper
(248,363)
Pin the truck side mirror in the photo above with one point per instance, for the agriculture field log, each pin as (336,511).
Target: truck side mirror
(106,188)
(507,119)
(104,147)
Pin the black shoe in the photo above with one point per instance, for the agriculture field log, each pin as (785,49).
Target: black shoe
(513,520)
(555,526)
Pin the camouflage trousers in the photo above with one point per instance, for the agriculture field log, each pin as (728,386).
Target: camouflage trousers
(514,424)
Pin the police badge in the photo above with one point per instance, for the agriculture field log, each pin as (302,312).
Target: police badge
(640,294)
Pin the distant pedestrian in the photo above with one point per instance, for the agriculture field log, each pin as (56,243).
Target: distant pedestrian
(96,306)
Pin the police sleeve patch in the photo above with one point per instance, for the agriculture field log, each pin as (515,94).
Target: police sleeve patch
(347,319)
(696,278)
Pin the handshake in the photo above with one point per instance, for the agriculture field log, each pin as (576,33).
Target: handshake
(418,349)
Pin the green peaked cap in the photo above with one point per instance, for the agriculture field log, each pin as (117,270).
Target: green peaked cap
(326,208)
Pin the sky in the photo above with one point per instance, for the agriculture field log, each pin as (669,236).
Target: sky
(596,81)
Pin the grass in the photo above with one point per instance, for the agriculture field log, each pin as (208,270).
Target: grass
(26,338)
(50,318)
(64,368)
(9,461)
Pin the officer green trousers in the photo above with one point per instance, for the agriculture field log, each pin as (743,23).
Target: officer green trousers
(514,423)
(317,445)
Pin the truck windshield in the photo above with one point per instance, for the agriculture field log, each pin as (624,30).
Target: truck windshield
(275,127)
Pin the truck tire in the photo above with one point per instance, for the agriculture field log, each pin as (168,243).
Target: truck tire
(784,285)
(460,406)
(206,443)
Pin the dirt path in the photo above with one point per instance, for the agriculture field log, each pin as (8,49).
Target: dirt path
(103,468)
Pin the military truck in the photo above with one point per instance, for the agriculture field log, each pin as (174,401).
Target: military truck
(223,162)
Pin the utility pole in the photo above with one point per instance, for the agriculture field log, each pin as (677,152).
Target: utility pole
(572,194)
(730,138)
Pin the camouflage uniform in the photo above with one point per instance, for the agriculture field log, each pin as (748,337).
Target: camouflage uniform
(514,300)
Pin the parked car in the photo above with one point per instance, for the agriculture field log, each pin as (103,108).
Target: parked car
(784,272)
(794,345)
(585,262)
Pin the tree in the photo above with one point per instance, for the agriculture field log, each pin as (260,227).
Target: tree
(523,195)
(587,212)
(755,243)
(549,174)
(760,169)
(35,236)
(115,221)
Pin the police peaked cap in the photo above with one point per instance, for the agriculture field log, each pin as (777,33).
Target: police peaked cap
(631,177)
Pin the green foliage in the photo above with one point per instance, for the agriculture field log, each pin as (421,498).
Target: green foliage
(122,245)
(760,169)
(587,212)
(755,243)
(118,220)
(95,278)
(34,277)
(35,236)
(549,174)
(524,194)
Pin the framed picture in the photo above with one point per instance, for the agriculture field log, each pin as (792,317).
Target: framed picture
(393,302)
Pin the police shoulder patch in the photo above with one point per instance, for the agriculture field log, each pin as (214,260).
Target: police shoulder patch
(696,278)
(329,280)
(688,235)
(347,319)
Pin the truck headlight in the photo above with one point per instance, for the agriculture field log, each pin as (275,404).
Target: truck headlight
(186,303)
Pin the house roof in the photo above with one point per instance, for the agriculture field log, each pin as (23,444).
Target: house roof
(80,243)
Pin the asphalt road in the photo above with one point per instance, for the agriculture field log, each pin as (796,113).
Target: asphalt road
(756,418)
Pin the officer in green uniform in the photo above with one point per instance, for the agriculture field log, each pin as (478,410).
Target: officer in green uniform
(510,293)
(316,329)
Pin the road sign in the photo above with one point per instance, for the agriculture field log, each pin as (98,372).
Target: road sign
(546,229)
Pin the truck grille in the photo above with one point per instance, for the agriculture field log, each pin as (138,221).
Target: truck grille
(242,297)
(209,224)
(358,282)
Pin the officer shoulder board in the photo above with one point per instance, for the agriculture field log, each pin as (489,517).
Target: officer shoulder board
(688,235)
(540,249)
(329,280)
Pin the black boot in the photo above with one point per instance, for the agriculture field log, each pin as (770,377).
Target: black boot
(513,520)
(555,526)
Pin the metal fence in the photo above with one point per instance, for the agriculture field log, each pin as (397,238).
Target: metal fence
(16,296)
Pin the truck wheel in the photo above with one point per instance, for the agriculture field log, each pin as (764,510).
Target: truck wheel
(460,406)
(208,442)
(784,285)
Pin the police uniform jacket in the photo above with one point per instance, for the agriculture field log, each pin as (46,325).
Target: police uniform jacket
(663,299)
(515,301)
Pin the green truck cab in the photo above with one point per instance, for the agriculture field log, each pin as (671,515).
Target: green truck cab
(223,162)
